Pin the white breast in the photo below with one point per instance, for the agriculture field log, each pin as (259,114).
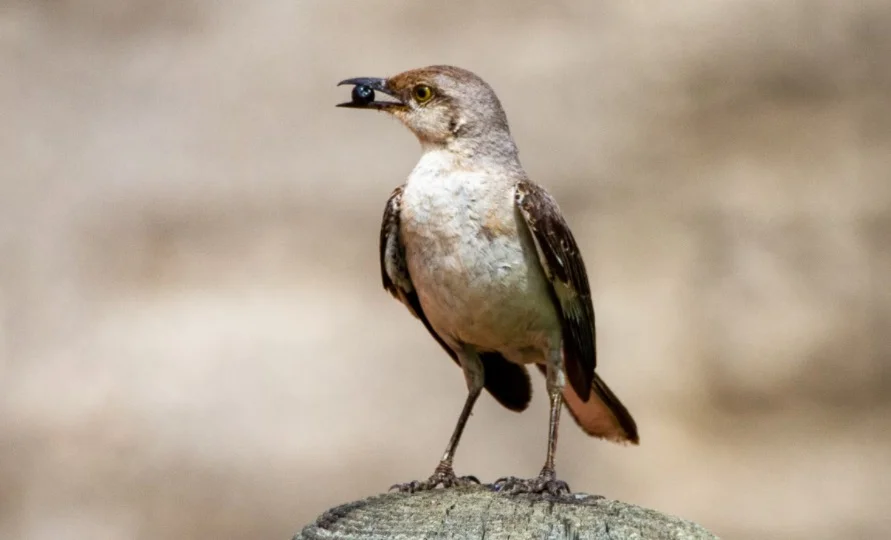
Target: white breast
(471,260)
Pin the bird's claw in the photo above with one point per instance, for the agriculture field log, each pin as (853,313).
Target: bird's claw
(544,483)
(443,476)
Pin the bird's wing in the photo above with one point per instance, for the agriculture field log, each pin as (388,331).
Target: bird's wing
(508,383)
(562,262)
(394,270)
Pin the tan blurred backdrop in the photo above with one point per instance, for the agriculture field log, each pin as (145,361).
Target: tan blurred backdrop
(193,339)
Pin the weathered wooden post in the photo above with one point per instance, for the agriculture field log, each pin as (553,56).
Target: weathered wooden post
(479,512)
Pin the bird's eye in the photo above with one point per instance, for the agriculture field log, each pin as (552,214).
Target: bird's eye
(422,93)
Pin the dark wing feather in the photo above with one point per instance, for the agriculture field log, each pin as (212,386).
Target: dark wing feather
(508,383)
(562,262)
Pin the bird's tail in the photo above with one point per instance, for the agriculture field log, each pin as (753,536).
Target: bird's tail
(603,415)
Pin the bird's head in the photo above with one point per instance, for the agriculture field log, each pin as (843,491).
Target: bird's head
(443,106)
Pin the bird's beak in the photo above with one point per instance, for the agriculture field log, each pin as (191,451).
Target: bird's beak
(378,85)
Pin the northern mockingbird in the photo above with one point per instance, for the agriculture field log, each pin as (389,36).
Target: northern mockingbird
(483,257)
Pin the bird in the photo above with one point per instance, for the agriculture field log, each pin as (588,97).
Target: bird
(484,258)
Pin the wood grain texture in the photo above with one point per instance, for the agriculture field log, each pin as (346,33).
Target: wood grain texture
(477,512)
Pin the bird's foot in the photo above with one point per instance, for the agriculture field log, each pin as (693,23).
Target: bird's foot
(544,483)
(443,476)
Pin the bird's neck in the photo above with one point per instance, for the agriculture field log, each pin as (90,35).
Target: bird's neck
(477,153)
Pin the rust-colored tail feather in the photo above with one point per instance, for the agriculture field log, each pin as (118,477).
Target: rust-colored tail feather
(603,415)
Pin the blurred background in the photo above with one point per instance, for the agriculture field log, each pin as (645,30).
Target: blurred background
(194,341)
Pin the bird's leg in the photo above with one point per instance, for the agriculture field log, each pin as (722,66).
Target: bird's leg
(444,475)
(547,478)
(546,481)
